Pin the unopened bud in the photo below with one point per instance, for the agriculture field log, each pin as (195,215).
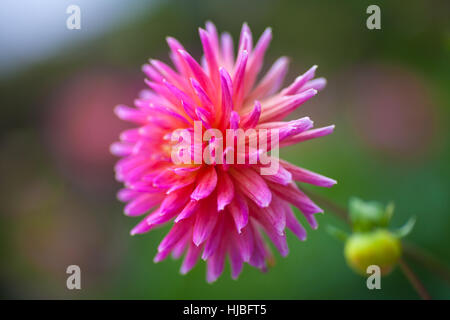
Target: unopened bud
(379,247)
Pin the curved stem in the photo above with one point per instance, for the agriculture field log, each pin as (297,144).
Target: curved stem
(414,280)
(426,259)
(328,204)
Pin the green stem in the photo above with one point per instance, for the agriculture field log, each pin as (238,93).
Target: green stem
(414,280)
(426,259)
(328,204)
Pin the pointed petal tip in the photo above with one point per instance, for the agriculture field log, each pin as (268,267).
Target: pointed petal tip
(197,241)
(264,204)
(183,53)
(183,270)
(211,278)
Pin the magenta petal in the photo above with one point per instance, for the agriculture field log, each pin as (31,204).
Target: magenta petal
(130,114)
(175,234)
(188,210)
(236,260)
(239,211)
(227,54)
(175,200)
(294,225)
(282,176)
(300,82)
(227,102)
(214,239)
(303,175)
(181,245)
(191,258)
(210,54)
(238,78)
(202,95)
(198,72)
(205,221)
(272,81)
(317,84)
(260,251)
(234,120)
(225,190)
(286,105)
(253,186)
(126,195)
(307,135)
(142,204)
(293,195)
(141,227)
(206,184)
(251,119)
(279,240)
(215,265)
(246,242)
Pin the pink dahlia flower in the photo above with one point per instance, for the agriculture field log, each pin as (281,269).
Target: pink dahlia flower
(217,209)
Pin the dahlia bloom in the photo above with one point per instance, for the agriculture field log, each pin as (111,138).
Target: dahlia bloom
(217,209)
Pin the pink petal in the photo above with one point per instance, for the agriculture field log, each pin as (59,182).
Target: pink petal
(188,210)
(227,102)
(175,234)
(175,200)
(130,114)
(293,195)
(236,260)
(286,105)
(210,55)
(300,82)
(251,119)
(225,190)
(125,195)
(303,175)
(191,258)
(317,84)
(198,72)
(214,239)
(257,59)
(282,176)
(142,204)
(307,135)
(216,264)
(272,81)
(206,184)
(238,78)
(294,225)
(205,221)
(253,186)
(239,211)
(227,55)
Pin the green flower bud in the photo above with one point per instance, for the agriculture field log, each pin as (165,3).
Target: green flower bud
(379,247)
(369,215)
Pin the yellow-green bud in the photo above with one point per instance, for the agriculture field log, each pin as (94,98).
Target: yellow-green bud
(379,247)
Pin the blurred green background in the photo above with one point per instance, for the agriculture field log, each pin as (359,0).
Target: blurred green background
(388,94)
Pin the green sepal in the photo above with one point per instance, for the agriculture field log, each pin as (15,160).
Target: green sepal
(337,233)
(368,215)
(406,229)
